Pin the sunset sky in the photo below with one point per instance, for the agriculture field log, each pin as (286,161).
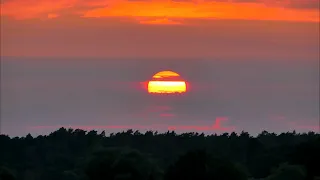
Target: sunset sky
(252,62)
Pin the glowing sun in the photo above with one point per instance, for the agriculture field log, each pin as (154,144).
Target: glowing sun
(167,82)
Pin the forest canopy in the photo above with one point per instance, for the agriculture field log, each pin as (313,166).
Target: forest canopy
(75,154)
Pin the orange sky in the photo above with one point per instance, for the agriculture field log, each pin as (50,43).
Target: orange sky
(162,11)
(288,29)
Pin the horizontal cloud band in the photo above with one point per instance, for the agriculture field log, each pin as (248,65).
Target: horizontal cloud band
(159,10)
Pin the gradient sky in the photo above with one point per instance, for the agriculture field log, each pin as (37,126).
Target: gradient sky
(251,64)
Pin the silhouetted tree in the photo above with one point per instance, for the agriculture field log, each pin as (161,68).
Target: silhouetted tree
(6,174)
(288,172)
(73,154)
(123,164)
(199,165)
(307,154)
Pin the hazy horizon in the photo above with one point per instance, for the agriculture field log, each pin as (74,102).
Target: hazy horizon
(40,96)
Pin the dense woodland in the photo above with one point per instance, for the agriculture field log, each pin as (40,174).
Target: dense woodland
(69,154)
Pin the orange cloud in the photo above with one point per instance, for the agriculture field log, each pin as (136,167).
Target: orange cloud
(26,9)
(52,15)
(203,10)
(162,21)
(162,11)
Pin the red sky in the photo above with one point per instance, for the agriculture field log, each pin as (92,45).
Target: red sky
(161,28)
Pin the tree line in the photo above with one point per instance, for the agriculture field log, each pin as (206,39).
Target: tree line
(75,154)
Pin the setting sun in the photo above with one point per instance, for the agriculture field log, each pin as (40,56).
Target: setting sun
(167,82)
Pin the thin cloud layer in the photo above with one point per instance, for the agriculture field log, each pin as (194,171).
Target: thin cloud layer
(216,127)
(162,11)
(162,21)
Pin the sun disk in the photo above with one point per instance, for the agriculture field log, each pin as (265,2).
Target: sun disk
(167,82)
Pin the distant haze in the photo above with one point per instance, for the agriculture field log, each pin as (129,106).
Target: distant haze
(39,96)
